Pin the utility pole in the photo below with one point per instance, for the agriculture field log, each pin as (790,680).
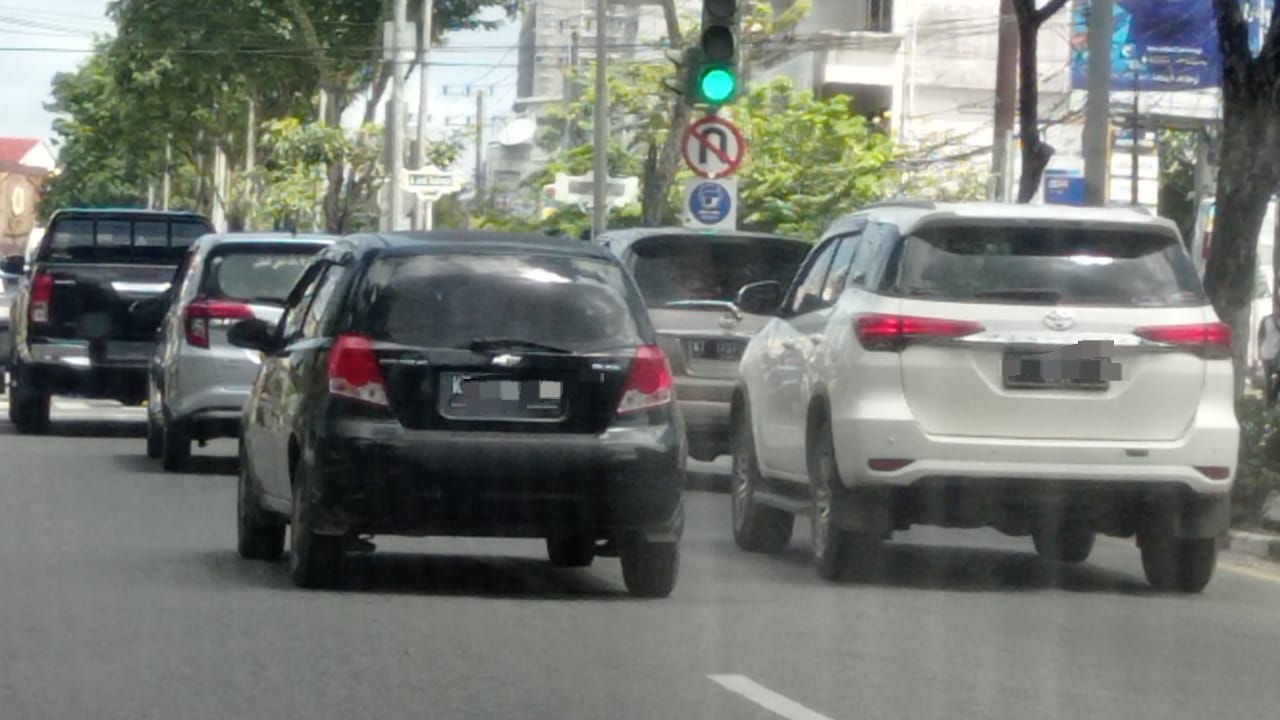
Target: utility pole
(479,144)
(1097,109)
(1134,128)
(571,92)
(1006,100)
(421,221)
(600,123)
(250,159)
(168,174)
(395,115)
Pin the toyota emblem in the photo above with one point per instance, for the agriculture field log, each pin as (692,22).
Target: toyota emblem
(1059,320)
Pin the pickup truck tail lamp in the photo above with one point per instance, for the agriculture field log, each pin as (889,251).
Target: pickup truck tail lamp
(893,333)
(1211,341)
(650,384)
(354,371)
(203,314)
(41,308)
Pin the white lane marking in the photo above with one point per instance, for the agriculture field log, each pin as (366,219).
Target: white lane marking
(780,705)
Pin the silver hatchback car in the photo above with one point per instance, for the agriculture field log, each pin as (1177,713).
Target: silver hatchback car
(198,381)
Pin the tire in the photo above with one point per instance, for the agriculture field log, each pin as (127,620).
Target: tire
(30,412)
(1179,564)
(571,551)
(259,536)
(315,561)
(838,554)
(1069,542)
(175,453)
(155,438)
(756,528)
(649,569)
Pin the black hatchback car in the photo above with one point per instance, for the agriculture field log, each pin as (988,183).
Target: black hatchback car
(462,383)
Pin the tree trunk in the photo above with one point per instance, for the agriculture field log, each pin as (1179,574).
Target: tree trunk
(1035,152)
(661,172)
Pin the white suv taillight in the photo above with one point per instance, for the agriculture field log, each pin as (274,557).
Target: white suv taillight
(649,385)
(354,372)
(41,298)
(1211,341)
(202,313)
(893,333)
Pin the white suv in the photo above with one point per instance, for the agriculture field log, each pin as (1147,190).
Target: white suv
(1047,371)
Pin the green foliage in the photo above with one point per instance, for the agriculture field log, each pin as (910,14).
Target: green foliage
(1259,468)
(1177,178)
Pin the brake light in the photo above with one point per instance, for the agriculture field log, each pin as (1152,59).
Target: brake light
(354,372)
(892,333)
(1209,340)
(1214,472)
(41,298)
(649,385)
(202,313)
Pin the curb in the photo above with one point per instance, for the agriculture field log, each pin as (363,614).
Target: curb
(1266,547)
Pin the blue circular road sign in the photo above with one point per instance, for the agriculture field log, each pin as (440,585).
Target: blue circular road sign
(710,203)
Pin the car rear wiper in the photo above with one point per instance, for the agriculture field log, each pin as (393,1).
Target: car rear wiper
(481,345)
(1025,294)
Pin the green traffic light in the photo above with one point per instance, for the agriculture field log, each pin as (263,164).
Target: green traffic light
(717,85)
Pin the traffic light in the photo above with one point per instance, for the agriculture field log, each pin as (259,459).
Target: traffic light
(715,78)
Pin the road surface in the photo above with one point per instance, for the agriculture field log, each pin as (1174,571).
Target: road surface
(122,597)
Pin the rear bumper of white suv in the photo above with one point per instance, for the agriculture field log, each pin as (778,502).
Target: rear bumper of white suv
(1203,460)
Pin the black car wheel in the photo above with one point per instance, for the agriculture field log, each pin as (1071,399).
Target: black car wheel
(29,407)
(649,569)
(176,447)
(155,438)
(571,550)
(260,536)
(838,553)
(315,561)
(756,528)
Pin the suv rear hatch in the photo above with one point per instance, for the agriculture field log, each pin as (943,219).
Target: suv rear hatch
(1050,332)
(690,282)
(508,343)
(94,275)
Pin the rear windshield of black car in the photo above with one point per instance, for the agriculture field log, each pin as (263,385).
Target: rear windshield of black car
(150,240)
(452,300)
(674,268)
(263,273)
(1047,266)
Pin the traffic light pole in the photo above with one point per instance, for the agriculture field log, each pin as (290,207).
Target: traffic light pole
(600,125)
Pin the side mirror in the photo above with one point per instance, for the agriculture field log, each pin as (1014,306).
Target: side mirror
(252,334)
(13,265)
(760,298)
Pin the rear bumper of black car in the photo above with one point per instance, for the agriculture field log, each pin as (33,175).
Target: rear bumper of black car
(378,478)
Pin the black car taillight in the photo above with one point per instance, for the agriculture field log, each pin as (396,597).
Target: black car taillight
(650,384)
(41,308)
(354,372)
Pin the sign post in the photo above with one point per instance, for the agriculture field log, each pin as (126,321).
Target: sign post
(713,148)
(430,184)
(711,204)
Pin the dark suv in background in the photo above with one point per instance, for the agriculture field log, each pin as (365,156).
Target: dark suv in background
(690,280)
(86,314)
(462,383)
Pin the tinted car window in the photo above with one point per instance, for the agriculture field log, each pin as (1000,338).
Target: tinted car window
(1048,265)
(122,240)
(671,268)
(185,232)
(256,272)
(72,239)
(451,300)
(808,293)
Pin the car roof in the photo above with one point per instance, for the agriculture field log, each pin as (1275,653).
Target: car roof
(909,215)
(433,241)
(129,213)
(622,239)
(257,238)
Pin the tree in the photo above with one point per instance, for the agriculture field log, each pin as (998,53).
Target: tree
(1178,177)
(1035,151)
(1249,165)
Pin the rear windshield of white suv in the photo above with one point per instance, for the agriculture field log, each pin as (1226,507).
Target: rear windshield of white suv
(454,300)
(255,273)
(675,268)
(1047,266)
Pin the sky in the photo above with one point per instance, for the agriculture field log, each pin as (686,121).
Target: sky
(40,38)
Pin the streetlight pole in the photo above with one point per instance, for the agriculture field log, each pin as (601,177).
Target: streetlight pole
(395,117)
(423,214)
(600,124)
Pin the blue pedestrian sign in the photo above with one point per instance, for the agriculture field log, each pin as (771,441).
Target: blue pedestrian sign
(711,203)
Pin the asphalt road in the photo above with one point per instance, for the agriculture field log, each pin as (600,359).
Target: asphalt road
(121,597)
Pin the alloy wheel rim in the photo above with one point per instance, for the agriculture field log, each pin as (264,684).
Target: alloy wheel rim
(741,487)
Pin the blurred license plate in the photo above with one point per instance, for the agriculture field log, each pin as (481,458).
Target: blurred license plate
(467,396)
(1079,367)
(127,352)
(729,350)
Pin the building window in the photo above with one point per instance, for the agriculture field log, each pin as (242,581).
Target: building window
(880,15)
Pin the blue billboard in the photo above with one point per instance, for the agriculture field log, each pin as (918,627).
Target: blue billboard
(1162,45)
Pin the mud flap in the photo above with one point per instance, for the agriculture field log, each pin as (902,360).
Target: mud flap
(669,530)
(865,511)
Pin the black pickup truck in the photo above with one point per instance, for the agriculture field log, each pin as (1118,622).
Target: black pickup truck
(90,302)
